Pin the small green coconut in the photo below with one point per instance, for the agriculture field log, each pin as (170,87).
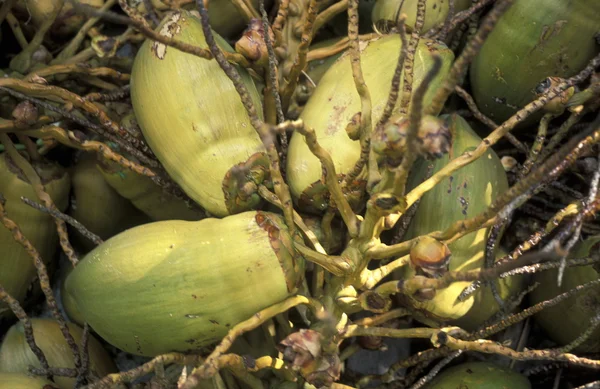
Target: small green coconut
(479,375)
(566,321)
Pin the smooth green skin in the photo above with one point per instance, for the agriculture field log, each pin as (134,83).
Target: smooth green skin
(22,381)
(479,375)
(97,205)
(178,285)
(191,115)
(564,322)
(533,40)
(436,12)
(146,196)
(16,355)
(335,101)
(478,184)
(17,270)
(224,17)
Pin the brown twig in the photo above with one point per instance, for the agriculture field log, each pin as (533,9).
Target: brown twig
(36,183)
(407,85)
(114,132)
(485,120)
(76,68)
(264,131)
(490,347)
(299,64)
(460,65)
(44,281)
(331,179)
(57,214)
(19,312)
(156,36)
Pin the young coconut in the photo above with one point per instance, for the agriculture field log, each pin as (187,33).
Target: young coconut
(17,270)
(566,321)
(24,381)
(180,286)
(533,40)
(479,375)
(335,103)
(67,22)
(145,195)
(194,120)
(16,355)
(466,193)
(97,206)
(312,76)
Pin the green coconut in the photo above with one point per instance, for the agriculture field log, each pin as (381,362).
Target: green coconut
(194,121)
(333,105)
(465,194)
(179,285)
(24,381)
(566,321)
(533,40)
(479,375)
(16,355)
(97,205)
(17,269)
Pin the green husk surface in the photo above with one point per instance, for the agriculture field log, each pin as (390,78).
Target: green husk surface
(333,104)
(566,321)
(191,115)
(465,194)
(533,40)
(179,286)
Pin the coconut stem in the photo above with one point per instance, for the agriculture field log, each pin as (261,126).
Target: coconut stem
(41,270)
(38,187)
(331,180)
(279,21)
(329,13)
(407,84)
(370,278)
(16,29)
(211,365)
(291,79)
(69,138)
(497,134)
(485,120)
(74,44)
(265,132)
(491,347)
(155,35)
(470,51)
(414,333)
(108,128)
(266,194)
(416,114)
(23,61)
(273,79)
(76,69)
(366,125)
(387,111)
(68,219)
(537,146)
(5,9)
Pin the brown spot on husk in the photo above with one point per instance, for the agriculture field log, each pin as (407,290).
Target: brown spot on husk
(281,242)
